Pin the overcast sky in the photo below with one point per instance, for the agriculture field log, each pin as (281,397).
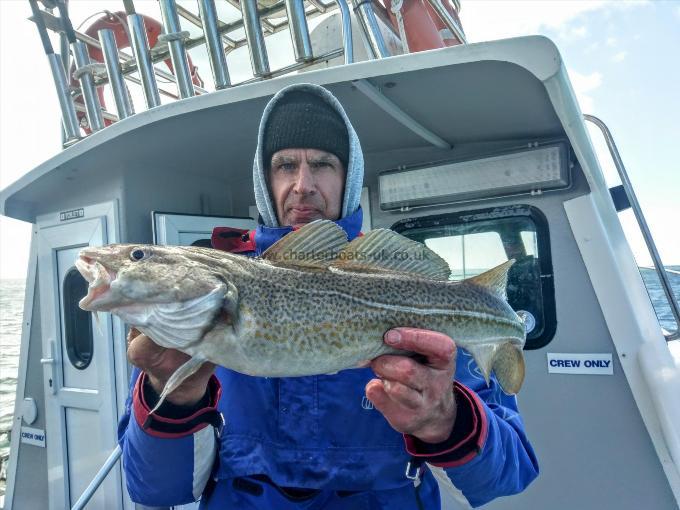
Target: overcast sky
(621,56)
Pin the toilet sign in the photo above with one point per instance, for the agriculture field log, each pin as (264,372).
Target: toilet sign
(597,364)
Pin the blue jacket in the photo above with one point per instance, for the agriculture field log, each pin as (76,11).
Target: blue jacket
(320,432)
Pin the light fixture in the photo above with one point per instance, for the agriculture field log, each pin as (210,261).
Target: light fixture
(537,169)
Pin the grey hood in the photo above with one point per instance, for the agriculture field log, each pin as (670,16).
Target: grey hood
(355,164)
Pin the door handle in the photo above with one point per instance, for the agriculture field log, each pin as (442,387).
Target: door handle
(50,362)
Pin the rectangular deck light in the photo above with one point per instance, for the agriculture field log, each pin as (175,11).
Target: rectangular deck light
(537,169)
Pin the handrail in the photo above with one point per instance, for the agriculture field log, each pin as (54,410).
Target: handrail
(89,491)
(448,20)
(642,223)
(369,25)
(346,31)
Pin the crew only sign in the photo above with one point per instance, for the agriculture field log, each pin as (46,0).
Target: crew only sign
(597,364)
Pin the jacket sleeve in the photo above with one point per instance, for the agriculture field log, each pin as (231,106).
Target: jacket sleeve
(167,461)
(488,454)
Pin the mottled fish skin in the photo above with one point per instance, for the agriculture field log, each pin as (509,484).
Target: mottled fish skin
(304,323)
(270,320)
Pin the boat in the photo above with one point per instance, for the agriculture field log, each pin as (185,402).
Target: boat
(504,168)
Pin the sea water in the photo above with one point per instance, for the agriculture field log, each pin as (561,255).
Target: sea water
(11,312)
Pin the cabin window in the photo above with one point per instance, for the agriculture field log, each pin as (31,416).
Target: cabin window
(77,322)
(474,242)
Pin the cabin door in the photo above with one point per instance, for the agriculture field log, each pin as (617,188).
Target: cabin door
(78,361)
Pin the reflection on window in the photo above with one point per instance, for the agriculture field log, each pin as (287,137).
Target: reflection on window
(530,243)
(78,323)
(469,254)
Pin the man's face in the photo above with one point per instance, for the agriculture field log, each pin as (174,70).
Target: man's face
(306,185)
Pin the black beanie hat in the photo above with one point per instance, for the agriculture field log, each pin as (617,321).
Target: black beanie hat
(301,120)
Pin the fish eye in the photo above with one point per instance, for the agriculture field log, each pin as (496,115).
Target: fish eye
(138,254)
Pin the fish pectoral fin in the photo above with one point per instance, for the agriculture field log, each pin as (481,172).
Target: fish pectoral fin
(385,251)
(230,303)
(494,280)
(313,246)
(178,377)
(508,365)
(505,359)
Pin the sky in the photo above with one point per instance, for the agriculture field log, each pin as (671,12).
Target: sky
(621,57)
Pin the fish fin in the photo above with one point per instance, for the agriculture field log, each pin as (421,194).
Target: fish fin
(184,323)
(178,377)
(313,246)
(494,280)
(508,365)
(483,354)
(230,304)
(383,250)
(505,359)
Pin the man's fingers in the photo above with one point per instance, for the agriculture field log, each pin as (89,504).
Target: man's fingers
(392,397)
(132,334)
(402,419)
(403,395)
(149,356)
(438,348)
(401,369)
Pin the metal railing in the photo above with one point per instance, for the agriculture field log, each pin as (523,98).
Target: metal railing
(642,223)
(257,20)
(173,44)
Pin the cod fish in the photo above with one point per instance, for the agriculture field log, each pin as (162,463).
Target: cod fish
(313,303)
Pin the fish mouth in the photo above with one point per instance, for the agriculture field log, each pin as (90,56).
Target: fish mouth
(99,278)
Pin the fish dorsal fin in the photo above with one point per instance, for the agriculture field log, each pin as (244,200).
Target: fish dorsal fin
(313,246)
(494,279)
(384,250)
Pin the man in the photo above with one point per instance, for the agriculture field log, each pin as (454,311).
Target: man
(339,441)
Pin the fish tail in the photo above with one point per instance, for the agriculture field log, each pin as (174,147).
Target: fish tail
(508,365)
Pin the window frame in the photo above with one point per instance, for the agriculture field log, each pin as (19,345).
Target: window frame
(71,313)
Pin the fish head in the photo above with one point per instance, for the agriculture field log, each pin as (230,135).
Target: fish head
(125,274)
(173,293)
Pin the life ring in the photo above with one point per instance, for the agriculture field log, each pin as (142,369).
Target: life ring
(116,21)
(424,28)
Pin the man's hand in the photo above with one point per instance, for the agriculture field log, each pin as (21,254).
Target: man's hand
(416,398)
(160,363)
